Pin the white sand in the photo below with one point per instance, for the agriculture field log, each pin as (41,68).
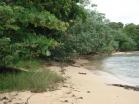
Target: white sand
(85,88)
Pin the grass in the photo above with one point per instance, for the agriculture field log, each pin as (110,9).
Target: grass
(34,79)
(36,82)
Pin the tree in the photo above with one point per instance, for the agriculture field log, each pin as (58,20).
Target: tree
(28,28)
(115,25)
(132,31)
(63,9)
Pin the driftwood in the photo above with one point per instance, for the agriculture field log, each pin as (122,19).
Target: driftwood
(136,88)
(11,70)
(82,73)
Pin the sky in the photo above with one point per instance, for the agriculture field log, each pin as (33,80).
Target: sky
(126,11)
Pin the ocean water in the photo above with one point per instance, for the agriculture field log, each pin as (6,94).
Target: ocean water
(120,68)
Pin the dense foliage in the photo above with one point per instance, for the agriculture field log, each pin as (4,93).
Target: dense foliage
(27,27)
(124,42)
(132,31)
(96,34)
(86,37)
(58,28)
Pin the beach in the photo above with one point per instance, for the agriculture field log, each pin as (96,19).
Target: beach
(69,52)
(80,87)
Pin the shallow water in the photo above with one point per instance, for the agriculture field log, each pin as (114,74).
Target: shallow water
(124,68)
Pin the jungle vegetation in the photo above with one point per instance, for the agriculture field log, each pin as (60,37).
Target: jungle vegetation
(57,30)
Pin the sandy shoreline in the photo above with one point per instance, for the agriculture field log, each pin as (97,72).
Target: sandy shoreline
(81,87)
(126,53)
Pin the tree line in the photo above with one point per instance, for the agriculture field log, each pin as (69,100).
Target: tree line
(58,29)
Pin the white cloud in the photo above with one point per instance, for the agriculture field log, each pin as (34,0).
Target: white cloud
(126,11)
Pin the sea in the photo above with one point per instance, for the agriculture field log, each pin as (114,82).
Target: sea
(119,68)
